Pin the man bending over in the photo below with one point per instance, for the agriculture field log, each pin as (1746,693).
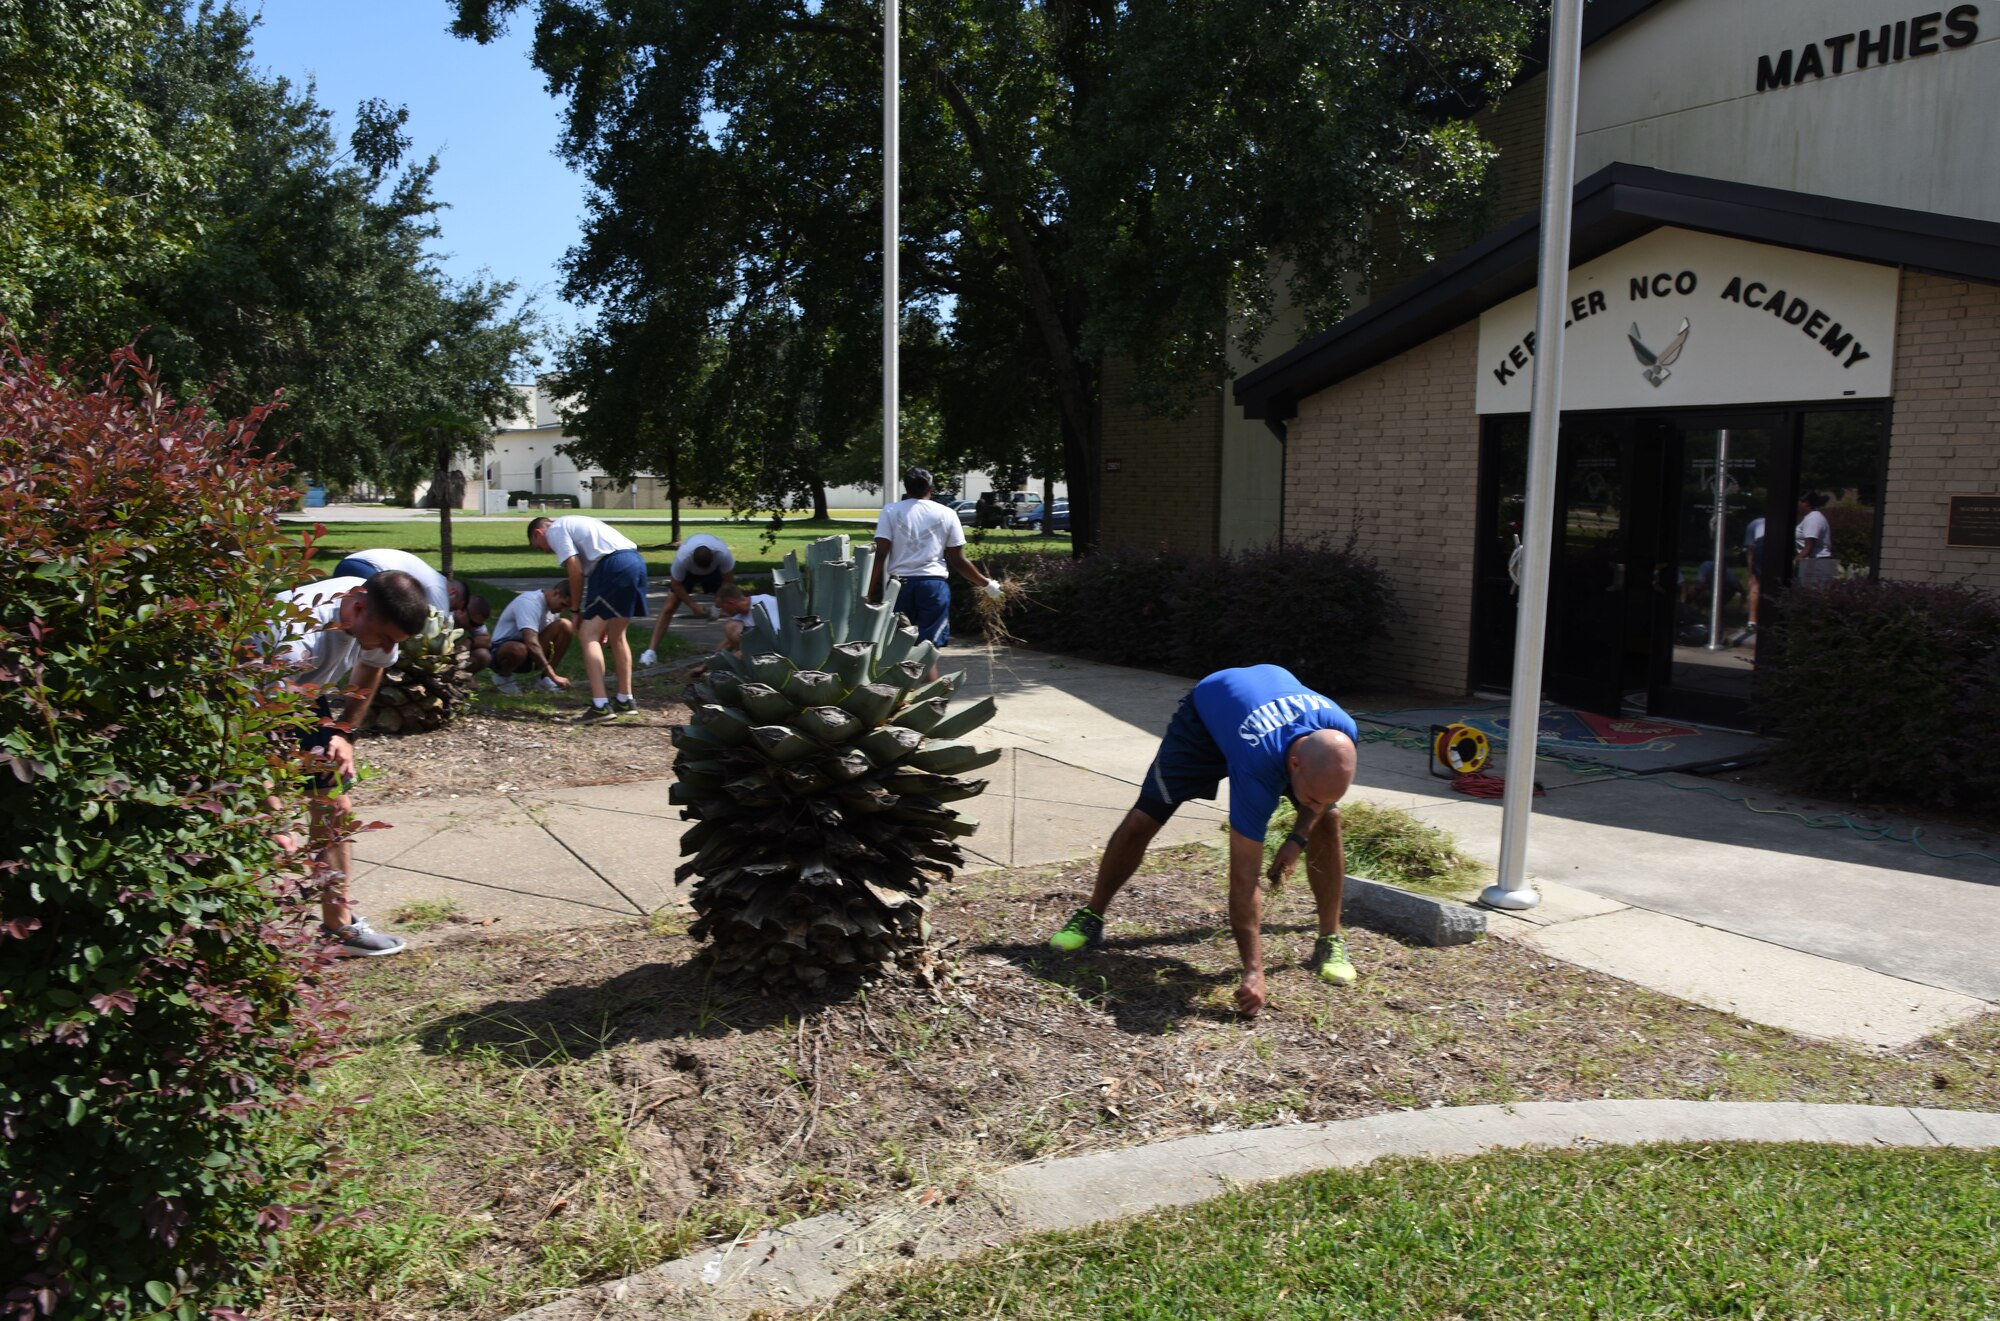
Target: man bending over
(1271,736)
(532,630)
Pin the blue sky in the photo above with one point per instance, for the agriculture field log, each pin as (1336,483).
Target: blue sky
(514,207)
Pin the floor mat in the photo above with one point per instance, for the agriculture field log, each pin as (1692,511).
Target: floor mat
(1638,744)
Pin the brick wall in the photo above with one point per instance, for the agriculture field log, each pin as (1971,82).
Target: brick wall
(1516,126)
(1945,436)
(1394,453)
(1167,489)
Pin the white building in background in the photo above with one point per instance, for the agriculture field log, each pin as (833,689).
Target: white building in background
(525,454)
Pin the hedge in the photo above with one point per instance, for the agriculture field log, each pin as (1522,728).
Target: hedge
(163,1000)
(1313,608)
(1889,691)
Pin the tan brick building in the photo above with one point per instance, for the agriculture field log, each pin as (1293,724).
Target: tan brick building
(1784,285)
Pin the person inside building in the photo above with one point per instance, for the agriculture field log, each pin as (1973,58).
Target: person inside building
(1273,738)
(1753,558)
(916,538)
(704,563)
(1812,541)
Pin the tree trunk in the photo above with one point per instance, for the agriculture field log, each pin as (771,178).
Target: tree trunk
(442,485)
(1048,502)
(674,491)
(819,500)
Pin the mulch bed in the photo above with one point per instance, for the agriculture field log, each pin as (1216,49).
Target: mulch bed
(781,1107)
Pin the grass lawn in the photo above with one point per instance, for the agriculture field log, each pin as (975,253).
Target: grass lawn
(1664,1231)
(498,548)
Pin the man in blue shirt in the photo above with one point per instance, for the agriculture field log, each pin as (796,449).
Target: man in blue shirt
(1271,736)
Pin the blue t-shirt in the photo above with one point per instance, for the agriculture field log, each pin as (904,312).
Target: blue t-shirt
(1253,714)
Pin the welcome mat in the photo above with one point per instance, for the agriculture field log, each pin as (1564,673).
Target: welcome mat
(1638,744)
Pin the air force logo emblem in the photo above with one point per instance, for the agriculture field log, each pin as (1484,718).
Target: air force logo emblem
(1653,366)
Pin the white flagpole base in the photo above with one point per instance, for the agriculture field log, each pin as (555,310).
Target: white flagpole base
(1493,896)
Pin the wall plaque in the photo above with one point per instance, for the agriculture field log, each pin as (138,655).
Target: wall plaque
(1974,523)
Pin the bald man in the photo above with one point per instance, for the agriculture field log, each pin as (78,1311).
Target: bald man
(1272,737)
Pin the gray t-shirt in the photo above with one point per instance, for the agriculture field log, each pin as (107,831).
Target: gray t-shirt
(404,562)
(529,610)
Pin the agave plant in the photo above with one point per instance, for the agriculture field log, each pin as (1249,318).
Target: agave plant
(428,684)
(817,771)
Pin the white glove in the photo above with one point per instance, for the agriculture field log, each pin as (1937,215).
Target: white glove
(994,591)
(648,656)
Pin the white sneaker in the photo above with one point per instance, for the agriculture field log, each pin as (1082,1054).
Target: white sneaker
(505,683)
(548,685)
(648,656)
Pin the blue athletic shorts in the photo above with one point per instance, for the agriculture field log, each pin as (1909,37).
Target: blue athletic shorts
(927,602)
(617,587)
(355,567)
(1188,765)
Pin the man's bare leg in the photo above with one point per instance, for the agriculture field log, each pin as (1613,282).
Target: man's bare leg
(1122,857)
(333,858)
(1326,869)
(618,632)
(591,638)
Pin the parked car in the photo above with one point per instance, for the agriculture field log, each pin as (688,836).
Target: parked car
(1032,516)
(966,510)
(1001,509)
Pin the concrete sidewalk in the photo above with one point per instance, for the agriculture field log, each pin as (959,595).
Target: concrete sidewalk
(808,1262)
(1817,931)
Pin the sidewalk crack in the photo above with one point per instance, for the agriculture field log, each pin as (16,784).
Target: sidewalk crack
(637,907)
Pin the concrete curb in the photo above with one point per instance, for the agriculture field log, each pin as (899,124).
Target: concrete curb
(810,1261)
(1400,912)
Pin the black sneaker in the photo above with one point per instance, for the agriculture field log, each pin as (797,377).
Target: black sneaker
(623,708)
(1085,930)
(595,714)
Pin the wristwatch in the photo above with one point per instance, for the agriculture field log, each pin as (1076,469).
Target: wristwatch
(1296,838)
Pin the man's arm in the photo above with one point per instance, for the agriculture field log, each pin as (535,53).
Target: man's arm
(1246,918)
(573,566)
(882,549)
(531,638)
(361,691)
(1281,867)
(956,557)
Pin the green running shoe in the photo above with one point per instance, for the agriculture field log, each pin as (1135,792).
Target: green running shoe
(1329,960)
(1085,930)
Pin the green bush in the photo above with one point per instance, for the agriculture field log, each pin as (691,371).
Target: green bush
(1312,608)
(1889,691)
(162,998)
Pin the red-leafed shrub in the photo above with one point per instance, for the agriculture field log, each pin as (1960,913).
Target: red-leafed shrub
(162,1004)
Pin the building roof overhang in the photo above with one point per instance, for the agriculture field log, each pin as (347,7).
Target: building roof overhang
(1611,208)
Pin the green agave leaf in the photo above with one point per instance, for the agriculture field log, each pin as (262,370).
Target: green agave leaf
(922,716)
(770,668)
(872,702)
(941,819)
(697,693)
(833,596)
(688,738)
(725,725)
(890,744)
(814,644)
(952,758)
(850,765)
(814,688)
(849,661)
(864,563)
(754,790)
(726,683)
(759,637)
(965,719)
(923,655)
(896,644)
(829,724)
(867,799)
(942,686)
(766,704)
(803,778)
(723,662)
(698,834)
(707,776)
(907,675)
(782,744)
(866,623)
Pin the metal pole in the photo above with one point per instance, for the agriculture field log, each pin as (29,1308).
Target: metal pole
(1513,889)
(891,233)
(1721,519)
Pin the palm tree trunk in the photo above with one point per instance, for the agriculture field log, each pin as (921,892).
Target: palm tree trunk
(442,486)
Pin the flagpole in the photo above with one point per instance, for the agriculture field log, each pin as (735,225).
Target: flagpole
(1513,889)
(891,227)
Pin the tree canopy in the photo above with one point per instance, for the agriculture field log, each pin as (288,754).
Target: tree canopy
(1081,179)
(154,186)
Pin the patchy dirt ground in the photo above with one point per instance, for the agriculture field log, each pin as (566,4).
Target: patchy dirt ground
(732,1108)
(525,742)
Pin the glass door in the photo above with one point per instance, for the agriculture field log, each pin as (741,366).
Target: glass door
(1720,476)
(1588,663)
